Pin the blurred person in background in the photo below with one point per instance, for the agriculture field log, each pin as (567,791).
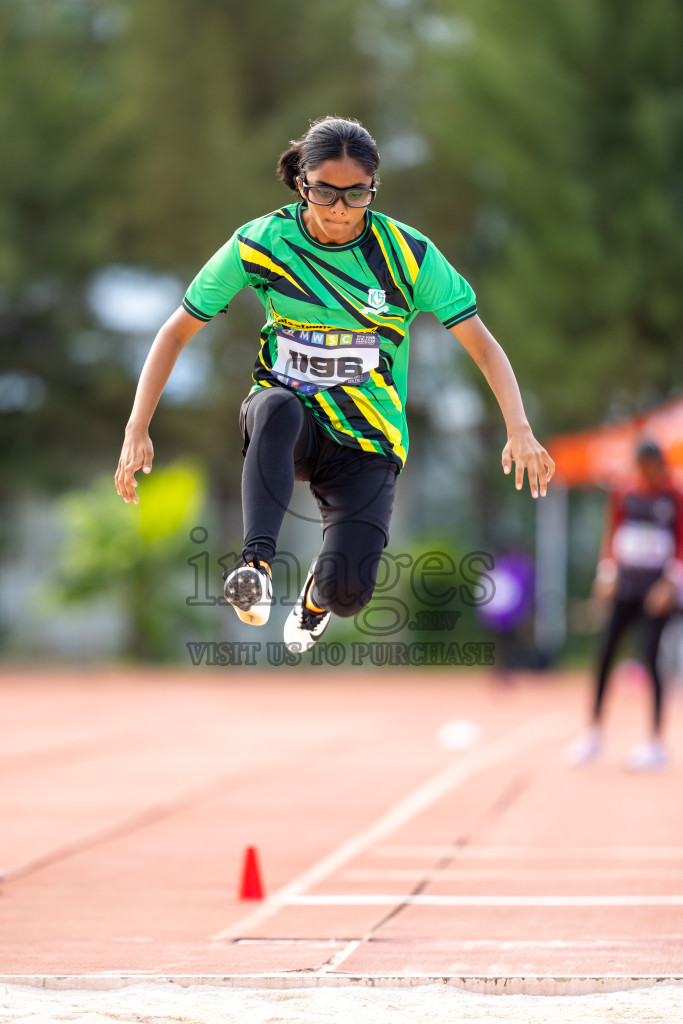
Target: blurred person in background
(340,284)
(639,571)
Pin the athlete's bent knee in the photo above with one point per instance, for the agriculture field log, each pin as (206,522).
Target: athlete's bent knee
(275,409)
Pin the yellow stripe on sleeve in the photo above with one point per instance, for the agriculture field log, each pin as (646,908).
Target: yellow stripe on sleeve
(250,255)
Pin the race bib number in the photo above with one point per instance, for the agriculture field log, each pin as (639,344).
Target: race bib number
(643,545)
(309,361)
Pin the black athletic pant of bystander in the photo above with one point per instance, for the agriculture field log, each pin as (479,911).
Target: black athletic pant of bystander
(625,613)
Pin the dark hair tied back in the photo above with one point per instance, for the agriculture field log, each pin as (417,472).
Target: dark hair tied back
(331,138)
(288,165)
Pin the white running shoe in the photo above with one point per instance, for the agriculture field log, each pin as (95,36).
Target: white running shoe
(586,748)
(303,628)
(647,757)
(250,591)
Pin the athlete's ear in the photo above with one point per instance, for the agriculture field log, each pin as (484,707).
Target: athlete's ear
(299,183)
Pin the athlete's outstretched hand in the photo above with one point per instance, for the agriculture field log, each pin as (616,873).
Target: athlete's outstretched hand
(522,448)
(137,453)
(528,454)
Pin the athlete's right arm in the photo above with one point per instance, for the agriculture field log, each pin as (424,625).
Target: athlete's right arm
(137,452)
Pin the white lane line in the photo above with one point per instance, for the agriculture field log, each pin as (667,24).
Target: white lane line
(343,954)
(391,900)
(511,874)
(521,852)
(537,730)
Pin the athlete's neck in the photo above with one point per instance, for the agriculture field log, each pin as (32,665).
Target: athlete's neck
(332,231)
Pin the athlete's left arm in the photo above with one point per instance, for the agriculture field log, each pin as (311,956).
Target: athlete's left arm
(522,448)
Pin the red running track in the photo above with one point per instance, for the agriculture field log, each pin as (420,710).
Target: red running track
(129,798)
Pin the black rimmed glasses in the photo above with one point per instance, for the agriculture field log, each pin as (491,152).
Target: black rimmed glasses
(324,195)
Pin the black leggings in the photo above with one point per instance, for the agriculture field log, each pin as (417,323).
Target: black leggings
(625,613)
(354,491)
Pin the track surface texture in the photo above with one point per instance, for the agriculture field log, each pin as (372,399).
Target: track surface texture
(129,797)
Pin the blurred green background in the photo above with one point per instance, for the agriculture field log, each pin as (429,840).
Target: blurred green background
(540,146)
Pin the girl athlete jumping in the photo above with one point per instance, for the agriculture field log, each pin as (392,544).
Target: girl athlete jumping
(340,284)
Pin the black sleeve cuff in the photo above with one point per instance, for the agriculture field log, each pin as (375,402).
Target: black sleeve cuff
(459,317)
(196,313)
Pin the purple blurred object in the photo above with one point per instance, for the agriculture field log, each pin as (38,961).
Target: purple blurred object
(513,576)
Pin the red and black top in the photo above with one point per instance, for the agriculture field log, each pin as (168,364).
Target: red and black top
(644,537)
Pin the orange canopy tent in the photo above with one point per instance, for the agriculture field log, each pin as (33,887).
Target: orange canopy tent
(605,455)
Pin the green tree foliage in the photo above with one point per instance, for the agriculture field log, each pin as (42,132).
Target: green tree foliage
(141,133)
(566,138)
(136,555)
(57,174)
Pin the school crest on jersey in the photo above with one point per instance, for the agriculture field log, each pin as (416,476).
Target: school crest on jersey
(377,299)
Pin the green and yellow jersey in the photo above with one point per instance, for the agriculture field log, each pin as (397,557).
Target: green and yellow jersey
(338,316)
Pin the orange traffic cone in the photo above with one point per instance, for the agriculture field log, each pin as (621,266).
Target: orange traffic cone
(250,886)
